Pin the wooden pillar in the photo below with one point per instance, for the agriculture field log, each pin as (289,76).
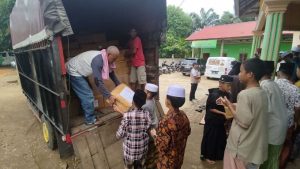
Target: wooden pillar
(193,52)
(273,31)
(222,48)
(256,43)
(274,11)
(200,53)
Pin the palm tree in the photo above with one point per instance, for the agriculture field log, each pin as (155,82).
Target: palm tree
(205,18)
(228,18)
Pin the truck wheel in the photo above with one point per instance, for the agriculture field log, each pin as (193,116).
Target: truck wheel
(48,134)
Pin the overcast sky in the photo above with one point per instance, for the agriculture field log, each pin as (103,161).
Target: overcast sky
(189,6)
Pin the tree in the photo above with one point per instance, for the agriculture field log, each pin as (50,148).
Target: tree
(174,45)
(5,9)
(179,23)
(228,18)
(205,18)
(247,18)
(179,27)
(196,21)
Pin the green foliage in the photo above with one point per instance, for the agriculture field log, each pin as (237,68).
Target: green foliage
(228,18)
(210,18)
(204,18)
(247,18)
(174,45)
(5,10)
(179,23)
(179,27)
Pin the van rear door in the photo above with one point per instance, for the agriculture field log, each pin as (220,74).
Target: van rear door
(218,66)
(212,67)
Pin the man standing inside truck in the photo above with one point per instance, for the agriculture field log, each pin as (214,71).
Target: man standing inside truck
(138,70)
(99,64)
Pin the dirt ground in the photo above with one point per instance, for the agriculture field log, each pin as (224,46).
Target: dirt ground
(21,141)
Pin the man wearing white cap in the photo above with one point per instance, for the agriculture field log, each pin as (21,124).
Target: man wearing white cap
(173,131)
(151,91)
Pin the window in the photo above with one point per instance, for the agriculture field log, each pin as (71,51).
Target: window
(214,62)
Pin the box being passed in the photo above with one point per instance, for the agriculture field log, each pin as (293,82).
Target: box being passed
(228,113)
(124,97)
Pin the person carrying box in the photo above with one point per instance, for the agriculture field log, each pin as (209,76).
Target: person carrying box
(99,64)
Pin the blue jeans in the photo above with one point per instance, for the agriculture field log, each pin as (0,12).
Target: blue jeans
(85,94)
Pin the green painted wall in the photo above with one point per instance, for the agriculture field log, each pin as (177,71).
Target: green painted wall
(1,60)
(285,46)
(234,50)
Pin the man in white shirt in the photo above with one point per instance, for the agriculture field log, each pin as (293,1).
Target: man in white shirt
(195,79)
(277,117)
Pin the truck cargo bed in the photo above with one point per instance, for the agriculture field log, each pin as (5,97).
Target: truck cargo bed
(97,146)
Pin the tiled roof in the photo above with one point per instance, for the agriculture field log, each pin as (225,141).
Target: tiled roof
(236,30)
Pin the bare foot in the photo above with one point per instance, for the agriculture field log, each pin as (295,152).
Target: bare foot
(210,161)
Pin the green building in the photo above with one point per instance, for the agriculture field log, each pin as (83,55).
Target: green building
(231,40)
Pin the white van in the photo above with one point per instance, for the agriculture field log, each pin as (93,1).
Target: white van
(218,66)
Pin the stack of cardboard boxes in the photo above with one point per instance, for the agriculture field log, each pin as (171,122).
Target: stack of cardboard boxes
(80,43)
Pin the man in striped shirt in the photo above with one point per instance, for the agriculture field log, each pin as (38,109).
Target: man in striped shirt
(133,130)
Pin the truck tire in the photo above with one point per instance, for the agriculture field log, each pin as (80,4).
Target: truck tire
(48,134)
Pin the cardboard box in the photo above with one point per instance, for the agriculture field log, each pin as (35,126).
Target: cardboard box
(101,102)
(124,79)
(88,38)
(228,113)
(124,97)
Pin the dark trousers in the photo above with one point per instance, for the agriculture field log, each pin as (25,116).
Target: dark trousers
(137,164)
(193,90)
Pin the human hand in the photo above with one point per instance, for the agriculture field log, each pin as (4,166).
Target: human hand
(219,101)
(116,108)
(225,101)
(153,133)
(112,100)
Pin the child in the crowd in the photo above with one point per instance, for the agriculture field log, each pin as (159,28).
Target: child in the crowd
(150,106)
(277,117)
(173,131)
(247,143)
(291,95)
(134,130)
(290,91)
(214,134)
(151,91)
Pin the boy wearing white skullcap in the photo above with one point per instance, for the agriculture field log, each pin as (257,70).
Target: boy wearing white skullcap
(151,91)
(173,130)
